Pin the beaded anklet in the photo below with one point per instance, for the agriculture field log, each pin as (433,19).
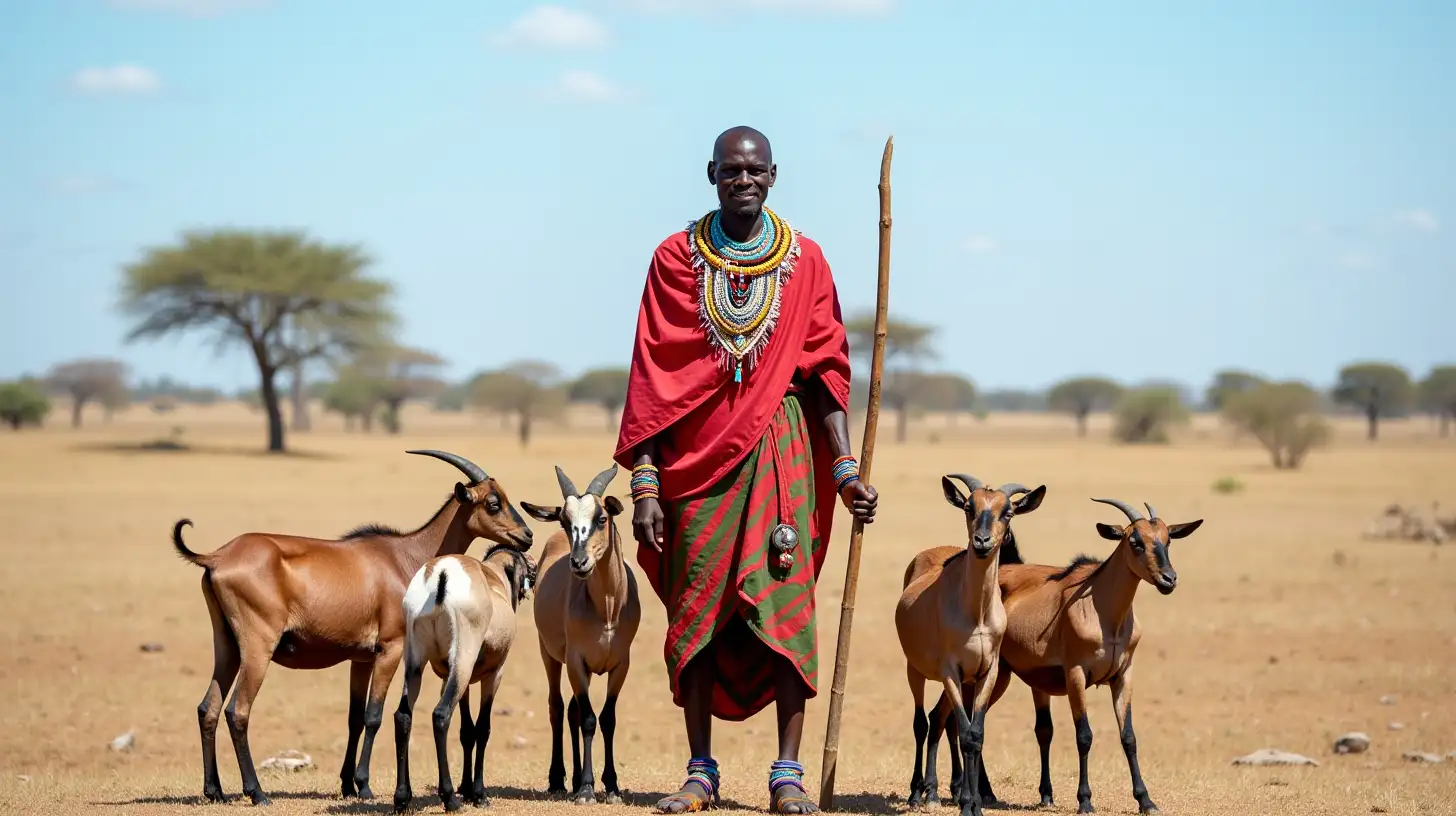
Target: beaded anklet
(782,773)
(645,483)
(704,771)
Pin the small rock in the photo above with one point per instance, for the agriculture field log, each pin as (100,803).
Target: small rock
(503,711)
(1422,756)
(24,777)
(287,761)
(152,647)
(530,715)
(1387,699)
(125,742)
(1273,659)
(1377,809)
(1395,726)
(519,742)
(1355,742)
(1272,756)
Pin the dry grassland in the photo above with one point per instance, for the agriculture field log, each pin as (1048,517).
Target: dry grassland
(1285,631)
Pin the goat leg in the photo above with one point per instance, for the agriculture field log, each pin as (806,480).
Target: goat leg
(257,653)
(386,662)
(573,722)
(225,662)
(1077,698)
(467,746)
(358,691)
(942,719)
(586,790)
(1043,705)
(403,721)
(918,728)
(488,690)
(441,722)
(556,709)
(616,678)
(1122,709)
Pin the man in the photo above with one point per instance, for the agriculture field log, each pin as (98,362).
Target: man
(735,430)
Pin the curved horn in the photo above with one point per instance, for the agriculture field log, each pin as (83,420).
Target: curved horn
(601,481)
(1012,488)
(1152,514)
(971,482)
(1132,515)
(568,490)
(466,466)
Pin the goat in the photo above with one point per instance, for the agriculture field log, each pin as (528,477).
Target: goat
(1072,627)
(312,603)
(587,611)
(950,622)
(460,617)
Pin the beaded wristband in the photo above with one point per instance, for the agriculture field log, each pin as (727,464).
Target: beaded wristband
(645,483)
(846,472)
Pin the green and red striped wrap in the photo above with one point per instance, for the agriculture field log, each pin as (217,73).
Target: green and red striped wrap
(722,569)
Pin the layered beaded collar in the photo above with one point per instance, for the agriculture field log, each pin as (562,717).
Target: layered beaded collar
(740,285)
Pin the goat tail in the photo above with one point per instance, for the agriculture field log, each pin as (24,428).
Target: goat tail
(182,550)
(440,592)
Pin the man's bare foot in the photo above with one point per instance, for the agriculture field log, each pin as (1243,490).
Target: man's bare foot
(694,796)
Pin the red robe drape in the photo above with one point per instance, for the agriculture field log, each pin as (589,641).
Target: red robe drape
(678,384)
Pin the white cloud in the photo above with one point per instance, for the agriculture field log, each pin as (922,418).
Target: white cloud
(1357,262)
(821,6)
(981,244)
(81,185)
(553,27)
(1416,220)
(189,8)
(118,79)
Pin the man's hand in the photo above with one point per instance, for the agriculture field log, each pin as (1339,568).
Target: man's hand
(861,499)
(647,520)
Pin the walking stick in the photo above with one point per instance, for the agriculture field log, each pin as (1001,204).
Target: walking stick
(856,536)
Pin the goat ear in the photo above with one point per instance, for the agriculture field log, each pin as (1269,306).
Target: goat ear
(1111,532)
(540,513)
(1183,530)
(613,505)
(462,494)
(1030,501)
(953,494)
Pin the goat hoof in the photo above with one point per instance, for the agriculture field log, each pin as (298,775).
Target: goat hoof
(1086,807)
(1148,808)
(558,791)
(214,795)
(363,792)
(260,799)
(452,803)
(585,797)
(612,798)
(1046,802)
(402,801)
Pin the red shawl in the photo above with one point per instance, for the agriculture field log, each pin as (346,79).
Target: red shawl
(677,381)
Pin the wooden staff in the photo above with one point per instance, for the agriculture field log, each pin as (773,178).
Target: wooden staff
(856,536)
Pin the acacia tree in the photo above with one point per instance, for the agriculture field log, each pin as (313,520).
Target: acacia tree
(23,403)
(354,395)
(1144,414)
(1377,390)
(527,389)
(402,373)
(907,346)
(90,379)
(1438,395)
(606,387)
(1285,418)
(286,298)
(953,394)
(1080,396)
(1227,384)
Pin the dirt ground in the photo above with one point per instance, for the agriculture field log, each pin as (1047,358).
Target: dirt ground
(1286,630)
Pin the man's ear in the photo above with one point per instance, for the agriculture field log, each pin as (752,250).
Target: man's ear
(540,513)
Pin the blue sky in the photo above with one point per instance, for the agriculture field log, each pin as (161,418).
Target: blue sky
(1141,190)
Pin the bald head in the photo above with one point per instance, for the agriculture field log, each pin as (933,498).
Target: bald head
(742,136)
(743,170)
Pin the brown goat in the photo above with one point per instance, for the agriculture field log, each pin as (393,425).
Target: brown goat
(587,611)
(1069,628)
(950,622)
(312,603)
(460,618)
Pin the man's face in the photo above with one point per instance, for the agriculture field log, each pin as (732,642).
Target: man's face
(743,170)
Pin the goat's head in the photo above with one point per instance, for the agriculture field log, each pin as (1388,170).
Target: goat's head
(586,518)
(1144,543)
(492,516)
(989,510)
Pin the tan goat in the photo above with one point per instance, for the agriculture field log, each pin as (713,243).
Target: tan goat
(950,621)
(587,611)
(1071,628)
(460,618)
(312,603)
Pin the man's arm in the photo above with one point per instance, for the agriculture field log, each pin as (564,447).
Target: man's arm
(647,516)
(859,497)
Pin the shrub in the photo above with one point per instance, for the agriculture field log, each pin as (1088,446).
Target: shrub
(1144,414)
(1284,417)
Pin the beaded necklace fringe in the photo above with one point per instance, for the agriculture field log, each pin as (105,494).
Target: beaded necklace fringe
(739,293)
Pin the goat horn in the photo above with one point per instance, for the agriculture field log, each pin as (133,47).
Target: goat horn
(601,481)
(568,490)
(1132,515)
(1152,514)
(971,482)
(1012,488)
(466,466)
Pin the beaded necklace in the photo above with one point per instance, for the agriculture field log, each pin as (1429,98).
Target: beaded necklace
(740,284)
